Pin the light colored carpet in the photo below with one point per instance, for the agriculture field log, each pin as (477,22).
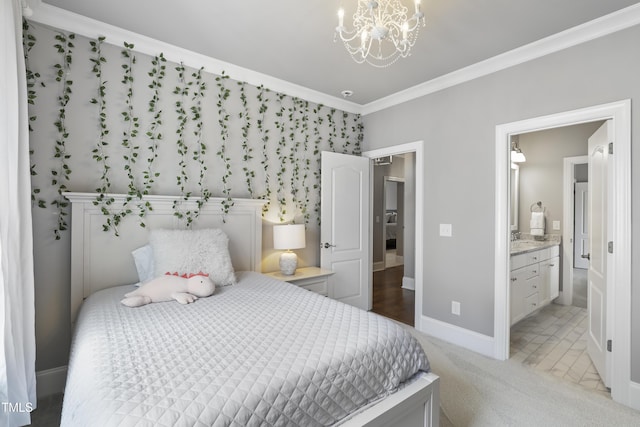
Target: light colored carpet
(478,391)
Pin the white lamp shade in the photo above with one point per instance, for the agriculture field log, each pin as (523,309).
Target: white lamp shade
(289,236)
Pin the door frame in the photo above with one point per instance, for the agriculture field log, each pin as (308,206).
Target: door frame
(568,207)
(416,147)
(620,260)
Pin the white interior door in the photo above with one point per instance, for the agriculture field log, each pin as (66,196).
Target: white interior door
(581,232)
(344,233)
(598,231)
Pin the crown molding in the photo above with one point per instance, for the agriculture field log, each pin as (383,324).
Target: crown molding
(605,25)
(68,21)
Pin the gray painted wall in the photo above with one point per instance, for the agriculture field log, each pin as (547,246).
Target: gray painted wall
(458,127)
(541,176)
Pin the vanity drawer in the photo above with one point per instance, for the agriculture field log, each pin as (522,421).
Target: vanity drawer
(527,272)
(521,260)
(536,256)
(531,303)
(531,286)
(527,258)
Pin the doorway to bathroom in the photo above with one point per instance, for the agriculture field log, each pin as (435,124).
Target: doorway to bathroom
(614,318)
(553,339)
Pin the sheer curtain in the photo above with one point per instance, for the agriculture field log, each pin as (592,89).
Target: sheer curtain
(17,310)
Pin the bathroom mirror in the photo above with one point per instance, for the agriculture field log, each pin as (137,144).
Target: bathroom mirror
(515,192)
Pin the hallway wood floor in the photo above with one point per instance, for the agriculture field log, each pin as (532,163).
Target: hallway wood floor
(389,299)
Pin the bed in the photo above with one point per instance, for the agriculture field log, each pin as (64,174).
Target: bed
(257,352)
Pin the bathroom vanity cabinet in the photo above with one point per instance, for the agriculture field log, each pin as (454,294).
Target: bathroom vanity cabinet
(535,280)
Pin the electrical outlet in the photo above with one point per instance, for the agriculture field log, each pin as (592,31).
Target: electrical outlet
(556,225)
(455,308)
(445,230)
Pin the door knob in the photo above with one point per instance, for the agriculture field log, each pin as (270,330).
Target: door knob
(587,256)
(327,245)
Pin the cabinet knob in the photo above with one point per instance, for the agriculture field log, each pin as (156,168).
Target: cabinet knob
(535,286)
(535,258)
(551,265)
(535,271)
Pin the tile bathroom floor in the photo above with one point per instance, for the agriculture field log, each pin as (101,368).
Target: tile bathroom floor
(553,340)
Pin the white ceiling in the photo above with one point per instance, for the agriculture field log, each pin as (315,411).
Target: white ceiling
(292,40)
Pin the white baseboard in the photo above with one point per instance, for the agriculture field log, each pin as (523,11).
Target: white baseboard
(51,381)
(634,395)
(471,340)
(409,283)
(378,266)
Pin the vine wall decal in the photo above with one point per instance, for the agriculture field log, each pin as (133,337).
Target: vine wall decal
(200,150)
(176,136)
(61,172)
(223,121)
(33,77)
(154,134)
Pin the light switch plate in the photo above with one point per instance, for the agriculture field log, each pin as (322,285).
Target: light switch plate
(556,225)
(445,230)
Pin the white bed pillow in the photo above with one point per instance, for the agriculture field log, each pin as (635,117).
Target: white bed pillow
(143,258)
(193,251)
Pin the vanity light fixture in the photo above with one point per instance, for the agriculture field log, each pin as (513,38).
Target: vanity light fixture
(382,31)
(517,156)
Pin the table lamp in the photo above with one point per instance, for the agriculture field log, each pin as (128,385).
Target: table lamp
(288,237)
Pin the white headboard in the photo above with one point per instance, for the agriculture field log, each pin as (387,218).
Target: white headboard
(100,259)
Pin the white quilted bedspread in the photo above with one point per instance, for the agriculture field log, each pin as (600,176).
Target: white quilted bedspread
(257,353)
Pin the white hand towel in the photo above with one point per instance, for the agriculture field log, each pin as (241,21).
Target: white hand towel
(537,220)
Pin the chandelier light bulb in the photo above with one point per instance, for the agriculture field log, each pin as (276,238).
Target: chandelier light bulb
(27,12)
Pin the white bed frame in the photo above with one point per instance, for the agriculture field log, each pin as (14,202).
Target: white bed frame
(101,260)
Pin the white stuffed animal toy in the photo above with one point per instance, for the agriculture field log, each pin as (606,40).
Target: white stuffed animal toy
(185,289)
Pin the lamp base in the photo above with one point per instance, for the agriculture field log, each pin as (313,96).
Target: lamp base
(288,263)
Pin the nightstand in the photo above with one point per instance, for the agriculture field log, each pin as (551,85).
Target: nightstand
(313,279)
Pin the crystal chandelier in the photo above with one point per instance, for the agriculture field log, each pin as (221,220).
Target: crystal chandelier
(381,33)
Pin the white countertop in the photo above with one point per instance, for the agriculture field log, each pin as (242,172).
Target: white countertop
(523,246)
